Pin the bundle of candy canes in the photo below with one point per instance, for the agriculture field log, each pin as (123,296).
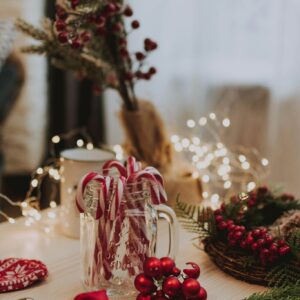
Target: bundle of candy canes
(109,208)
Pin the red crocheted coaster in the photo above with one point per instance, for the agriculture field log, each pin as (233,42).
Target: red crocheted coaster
(16,274)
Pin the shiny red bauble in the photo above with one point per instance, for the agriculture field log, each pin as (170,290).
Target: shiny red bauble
(202,295)
(194,272)
(144,284)
(171,286)
(167,265)
(152,267)
(143,297)
(190,287)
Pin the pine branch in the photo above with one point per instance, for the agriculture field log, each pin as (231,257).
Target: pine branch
(30,30)
(287,293)
(196,219)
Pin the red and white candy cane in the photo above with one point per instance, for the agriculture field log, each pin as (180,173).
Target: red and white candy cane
(133,166)
(117,197)
(111,164)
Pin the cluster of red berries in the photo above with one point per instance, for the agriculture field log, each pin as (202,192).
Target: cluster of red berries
(257,241)
(161,281)
(100,23)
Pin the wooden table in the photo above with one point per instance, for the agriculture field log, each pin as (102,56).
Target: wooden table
(61,255)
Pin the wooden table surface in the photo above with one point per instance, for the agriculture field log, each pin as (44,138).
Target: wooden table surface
(62,257)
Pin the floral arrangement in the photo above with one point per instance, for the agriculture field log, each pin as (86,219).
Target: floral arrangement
(242,239)
(89,37)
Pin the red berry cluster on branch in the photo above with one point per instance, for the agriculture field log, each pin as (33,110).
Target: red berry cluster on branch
(162,280)
(81,31)
(257,241)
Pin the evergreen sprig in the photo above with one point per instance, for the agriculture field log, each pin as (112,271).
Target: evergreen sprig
(291,292)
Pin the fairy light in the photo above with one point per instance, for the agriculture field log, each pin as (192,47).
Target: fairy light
(202,121)
(223,170)
(89,146)
(56,139)
(226,122)
(29,207)
(80,143)
(191,123)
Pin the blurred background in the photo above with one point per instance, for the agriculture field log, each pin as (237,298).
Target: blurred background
(237,58)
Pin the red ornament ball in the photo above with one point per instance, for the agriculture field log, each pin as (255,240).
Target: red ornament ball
(171,286)
(202,295)
(190,287)
(143,297)
(167,265)
(194,272)
(144,284)
(176,272)
(152,267)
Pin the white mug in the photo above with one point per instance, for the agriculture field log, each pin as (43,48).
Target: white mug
(75,163)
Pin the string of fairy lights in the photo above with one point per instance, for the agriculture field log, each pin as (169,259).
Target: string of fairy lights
(223,170)
(30,206)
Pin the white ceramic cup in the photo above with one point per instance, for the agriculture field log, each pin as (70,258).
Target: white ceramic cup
(75,163)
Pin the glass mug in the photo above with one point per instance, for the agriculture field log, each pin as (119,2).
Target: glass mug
(113,252)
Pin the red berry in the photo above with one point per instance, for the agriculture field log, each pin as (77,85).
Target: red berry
(282,251)
(122,42)
(238,235)
(273,249)
(219,218)
(167,265)
(263,231)
(217,212)
(63,37)
(249,240)
(254,247)
(75,3)
(124,53)
(222,225)
(256,233)
(61,13)
(110,8)
(194,272)
(171,286)
(60,25)
(135,24)
(144,284)
(231,227)
(152,267)
(202,295)
(117,27)
(176,272)
(265,252)
(152,71)
(140,56)
(128,12)
(281,243)
(268,239)
(260,243)
(144,297)
(190,287)
(85,36)
(76,44)
(100,21)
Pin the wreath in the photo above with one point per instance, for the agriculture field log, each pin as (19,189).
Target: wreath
(255,237)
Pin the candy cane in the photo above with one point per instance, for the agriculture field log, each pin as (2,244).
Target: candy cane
(114,164)
(133,165)
(116,199)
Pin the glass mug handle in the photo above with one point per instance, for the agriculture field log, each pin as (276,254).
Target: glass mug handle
(166,213)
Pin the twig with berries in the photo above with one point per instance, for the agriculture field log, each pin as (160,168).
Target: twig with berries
(162,280)
(90,38)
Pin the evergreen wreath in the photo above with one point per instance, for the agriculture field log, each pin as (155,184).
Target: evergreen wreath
(240,239)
